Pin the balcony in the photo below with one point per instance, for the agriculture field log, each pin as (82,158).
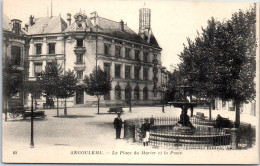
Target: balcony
(79,66)
(155,70)
(155,61)
(155,79)
(79,50)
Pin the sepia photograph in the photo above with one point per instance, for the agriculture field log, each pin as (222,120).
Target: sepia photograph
(130,82)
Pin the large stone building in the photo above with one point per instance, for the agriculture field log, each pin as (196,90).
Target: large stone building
(81,42)
(15,49)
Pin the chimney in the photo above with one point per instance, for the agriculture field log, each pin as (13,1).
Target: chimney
(122,25)
(26,27)
(69,18)
(31,20)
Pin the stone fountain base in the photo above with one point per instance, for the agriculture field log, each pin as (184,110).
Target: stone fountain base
(178,129)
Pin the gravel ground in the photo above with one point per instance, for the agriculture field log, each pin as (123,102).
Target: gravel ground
(81,129)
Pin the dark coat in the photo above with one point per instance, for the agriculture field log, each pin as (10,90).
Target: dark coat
(144,128)
(118,123)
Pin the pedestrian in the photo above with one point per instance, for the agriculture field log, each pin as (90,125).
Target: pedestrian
(152,121)
(118,125)
(145,128)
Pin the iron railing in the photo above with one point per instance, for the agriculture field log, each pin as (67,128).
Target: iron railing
(204,136)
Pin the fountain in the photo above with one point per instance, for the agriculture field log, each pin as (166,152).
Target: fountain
(184,126)
(181,131)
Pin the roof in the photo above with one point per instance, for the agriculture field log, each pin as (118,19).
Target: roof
(7,25)
(153,41)
(45,25)
(108,27)
(113,28)
(6,22)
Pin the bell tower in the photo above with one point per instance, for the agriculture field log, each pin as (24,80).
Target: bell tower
(144,18)
(145,23)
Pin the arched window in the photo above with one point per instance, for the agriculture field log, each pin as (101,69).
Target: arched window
(117,92)
(145,93)
(128,93)
(136,93)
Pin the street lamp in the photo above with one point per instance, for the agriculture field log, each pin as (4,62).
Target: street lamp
(129,92)
(162,97)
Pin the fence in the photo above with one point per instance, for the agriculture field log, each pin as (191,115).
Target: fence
(205,135)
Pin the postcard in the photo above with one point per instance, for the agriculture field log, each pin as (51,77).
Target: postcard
(130,82)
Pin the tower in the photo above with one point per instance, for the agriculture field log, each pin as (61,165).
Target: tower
(145,23)
(144,19)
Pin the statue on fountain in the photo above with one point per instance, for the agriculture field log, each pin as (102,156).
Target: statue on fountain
(185,119)
(184,101)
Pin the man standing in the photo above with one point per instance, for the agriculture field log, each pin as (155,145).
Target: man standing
(118,125)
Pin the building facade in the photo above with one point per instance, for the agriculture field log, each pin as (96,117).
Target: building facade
(81,43)
(15,50)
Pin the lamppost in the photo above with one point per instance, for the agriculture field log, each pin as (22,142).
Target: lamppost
(32,143)
(129,92)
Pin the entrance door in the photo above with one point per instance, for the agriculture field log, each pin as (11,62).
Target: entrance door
(80,97)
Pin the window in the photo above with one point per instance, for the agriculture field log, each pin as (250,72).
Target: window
(107,96)
(127,53)
(117,71)
(145,93)
(79,42)
(16,55)
(80,58)
(145,73)
(137,69)
(128,94)
(79,74)
(106,49)
(37,69)
(117,92)
(79,97)
(117,51)
(145,56)
(49,64)
(107,69)
(51,48)
(16,27)
(136,93)
(127,72)
(137,54)
(38,49)
(37,94)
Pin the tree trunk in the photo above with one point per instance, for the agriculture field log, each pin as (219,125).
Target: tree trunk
(191,109)
(6,108)
(65,108)
(237,122)
(98,103)
(57,107)
(210,110)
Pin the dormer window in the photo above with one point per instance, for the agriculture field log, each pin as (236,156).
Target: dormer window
(16,26)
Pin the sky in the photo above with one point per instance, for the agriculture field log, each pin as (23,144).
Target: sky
(172,22)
